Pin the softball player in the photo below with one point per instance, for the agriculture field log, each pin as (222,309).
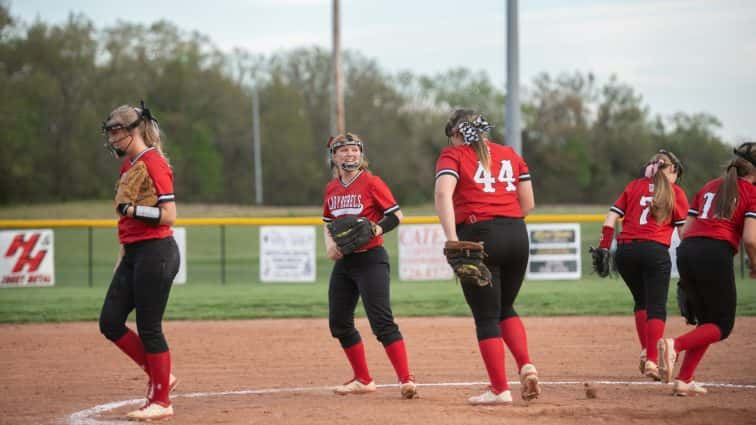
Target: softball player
(147,262)
(482,194)
(354,191)
(652,207)
(721,212)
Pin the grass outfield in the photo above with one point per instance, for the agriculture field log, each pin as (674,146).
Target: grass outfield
(590,296)
(243,296)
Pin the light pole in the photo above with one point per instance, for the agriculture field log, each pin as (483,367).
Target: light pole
(256,145)
(338,122)
(513,136)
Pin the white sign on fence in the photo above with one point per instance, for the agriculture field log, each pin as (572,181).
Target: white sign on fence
(27,258)
(554,251)
(179,234)
(287,253)
(421,253)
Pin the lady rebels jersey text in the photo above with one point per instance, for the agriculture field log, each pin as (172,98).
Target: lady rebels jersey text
(365,195)
(130,229)
(716,228)
(635,206)
(486,194)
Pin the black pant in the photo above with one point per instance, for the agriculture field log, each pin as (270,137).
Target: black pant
(706,267)
(366,275)
(143,282)
(506,243)
(645,267)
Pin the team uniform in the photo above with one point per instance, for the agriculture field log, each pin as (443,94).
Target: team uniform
(143,282)
(643,257)
(705,261)
(487,209)
(364,273)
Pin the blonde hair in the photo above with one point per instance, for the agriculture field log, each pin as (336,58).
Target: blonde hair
(149,129)
(664,195)
(346,139)
(480,148)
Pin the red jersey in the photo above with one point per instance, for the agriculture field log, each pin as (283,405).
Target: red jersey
(635,205)
(708,226)
(480,194)
(130,229)
(365,195)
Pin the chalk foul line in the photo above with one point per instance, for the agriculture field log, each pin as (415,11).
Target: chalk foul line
(86,416)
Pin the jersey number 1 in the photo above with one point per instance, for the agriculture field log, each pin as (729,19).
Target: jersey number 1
(506,175)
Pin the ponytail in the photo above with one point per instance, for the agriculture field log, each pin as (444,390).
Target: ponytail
(152,136)
(483,153)
(728,194)
(664,197)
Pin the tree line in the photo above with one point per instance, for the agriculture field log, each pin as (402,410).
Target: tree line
(584,140)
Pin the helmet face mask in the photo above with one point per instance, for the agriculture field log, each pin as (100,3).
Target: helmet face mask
(113,128)
(336,143)
(115,122)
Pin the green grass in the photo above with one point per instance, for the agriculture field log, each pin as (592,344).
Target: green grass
(205,301)
(243,296)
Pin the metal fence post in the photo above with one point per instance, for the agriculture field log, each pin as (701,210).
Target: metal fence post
(223,253)
(89,251)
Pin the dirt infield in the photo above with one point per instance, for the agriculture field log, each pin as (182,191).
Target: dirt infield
(277,371)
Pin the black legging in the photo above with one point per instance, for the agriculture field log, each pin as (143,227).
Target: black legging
(706,267)
(645,267)
(367,275)
(506,243)
(143,282)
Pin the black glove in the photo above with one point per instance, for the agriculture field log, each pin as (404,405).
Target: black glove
(466,259)
(601,261)
(350,233)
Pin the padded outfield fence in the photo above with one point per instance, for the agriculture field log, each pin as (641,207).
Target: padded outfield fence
(226,250)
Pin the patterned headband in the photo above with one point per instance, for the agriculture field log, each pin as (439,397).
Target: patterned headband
(471,131)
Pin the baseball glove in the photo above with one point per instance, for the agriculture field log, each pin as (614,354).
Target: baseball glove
(686,305)
(350,233)
(135,187)
(601,261)
(466,259)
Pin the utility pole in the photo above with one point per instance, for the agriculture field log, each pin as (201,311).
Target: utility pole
(256,145)
(513,136)
(338,122)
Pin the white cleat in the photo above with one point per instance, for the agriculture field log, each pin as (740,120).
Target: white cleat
(151,412)
(652,370)
(408,389)
(684,389)
(531,389)
(488,398)
(667,359)
(355,387)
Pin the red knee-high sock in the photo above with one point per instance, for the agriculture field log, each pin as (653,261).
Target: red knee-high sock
(513,332)
(132,345)
(356,356)
(160,374)
(705,334)
(397,353)
(492,351)
(692,358)
(654,331)
(640,327)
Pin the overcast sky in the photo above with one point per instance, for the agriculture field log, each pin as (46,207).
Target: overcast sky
(681,55)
